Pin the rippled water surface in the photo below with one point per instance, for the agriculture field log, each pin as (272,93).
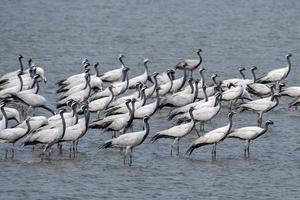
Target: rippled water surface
(59,34)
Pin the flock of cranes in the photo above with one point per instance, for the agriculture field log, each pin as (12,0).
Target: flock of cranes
(117,101)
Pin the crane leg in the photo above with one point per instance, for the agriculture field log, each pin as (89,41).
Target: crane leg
(6,151)
(124,159)
(230,106)
(77,141)
(191,74)
(172,145)
(248,151)
(73,146)
(214,151)
(125,155)
(44,152)
(42,156)
(176,141)
(49,154)
(130,162)
(12,152)
(70,150)
(60,148)
(202,127)
(197,132)
(259,120)
(178,147)
(245,150)
(234,103)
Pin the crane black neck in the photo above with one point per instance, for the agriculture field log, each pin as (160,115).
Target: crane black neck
(131,114)
(125,76)
(30,66)
(218,100)
(262,132)
(112,94)
(87,117)
(21,82)
(191,85)
(97,70)
(121,60)
(157,100)
(214,80)
(153,87)
(73,107)
(128,107)
(289,65)
(192,115)
(204,92)
(37,87)
(132,108)
(138,88)
(21,64)
(143,97)
(35,83)
(4,116)
(146,125)
(196,91)
(171,79)
(28,126)
(274,97)
(146,68)
(253,74)
(76,117)
(200,58)
(147,130)
(242,74)
(230,122)
(63,124)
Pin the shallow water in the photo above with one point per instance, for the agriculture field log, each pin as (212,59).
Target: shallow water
(59,34)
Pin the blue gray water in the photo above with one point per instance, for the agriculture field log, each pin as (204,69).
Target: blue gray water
(59,34)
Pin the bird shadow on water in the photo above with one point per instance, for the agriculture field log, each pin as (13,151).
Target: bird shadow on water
(124,168)
(228,161)
(28,156)
(182,158)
